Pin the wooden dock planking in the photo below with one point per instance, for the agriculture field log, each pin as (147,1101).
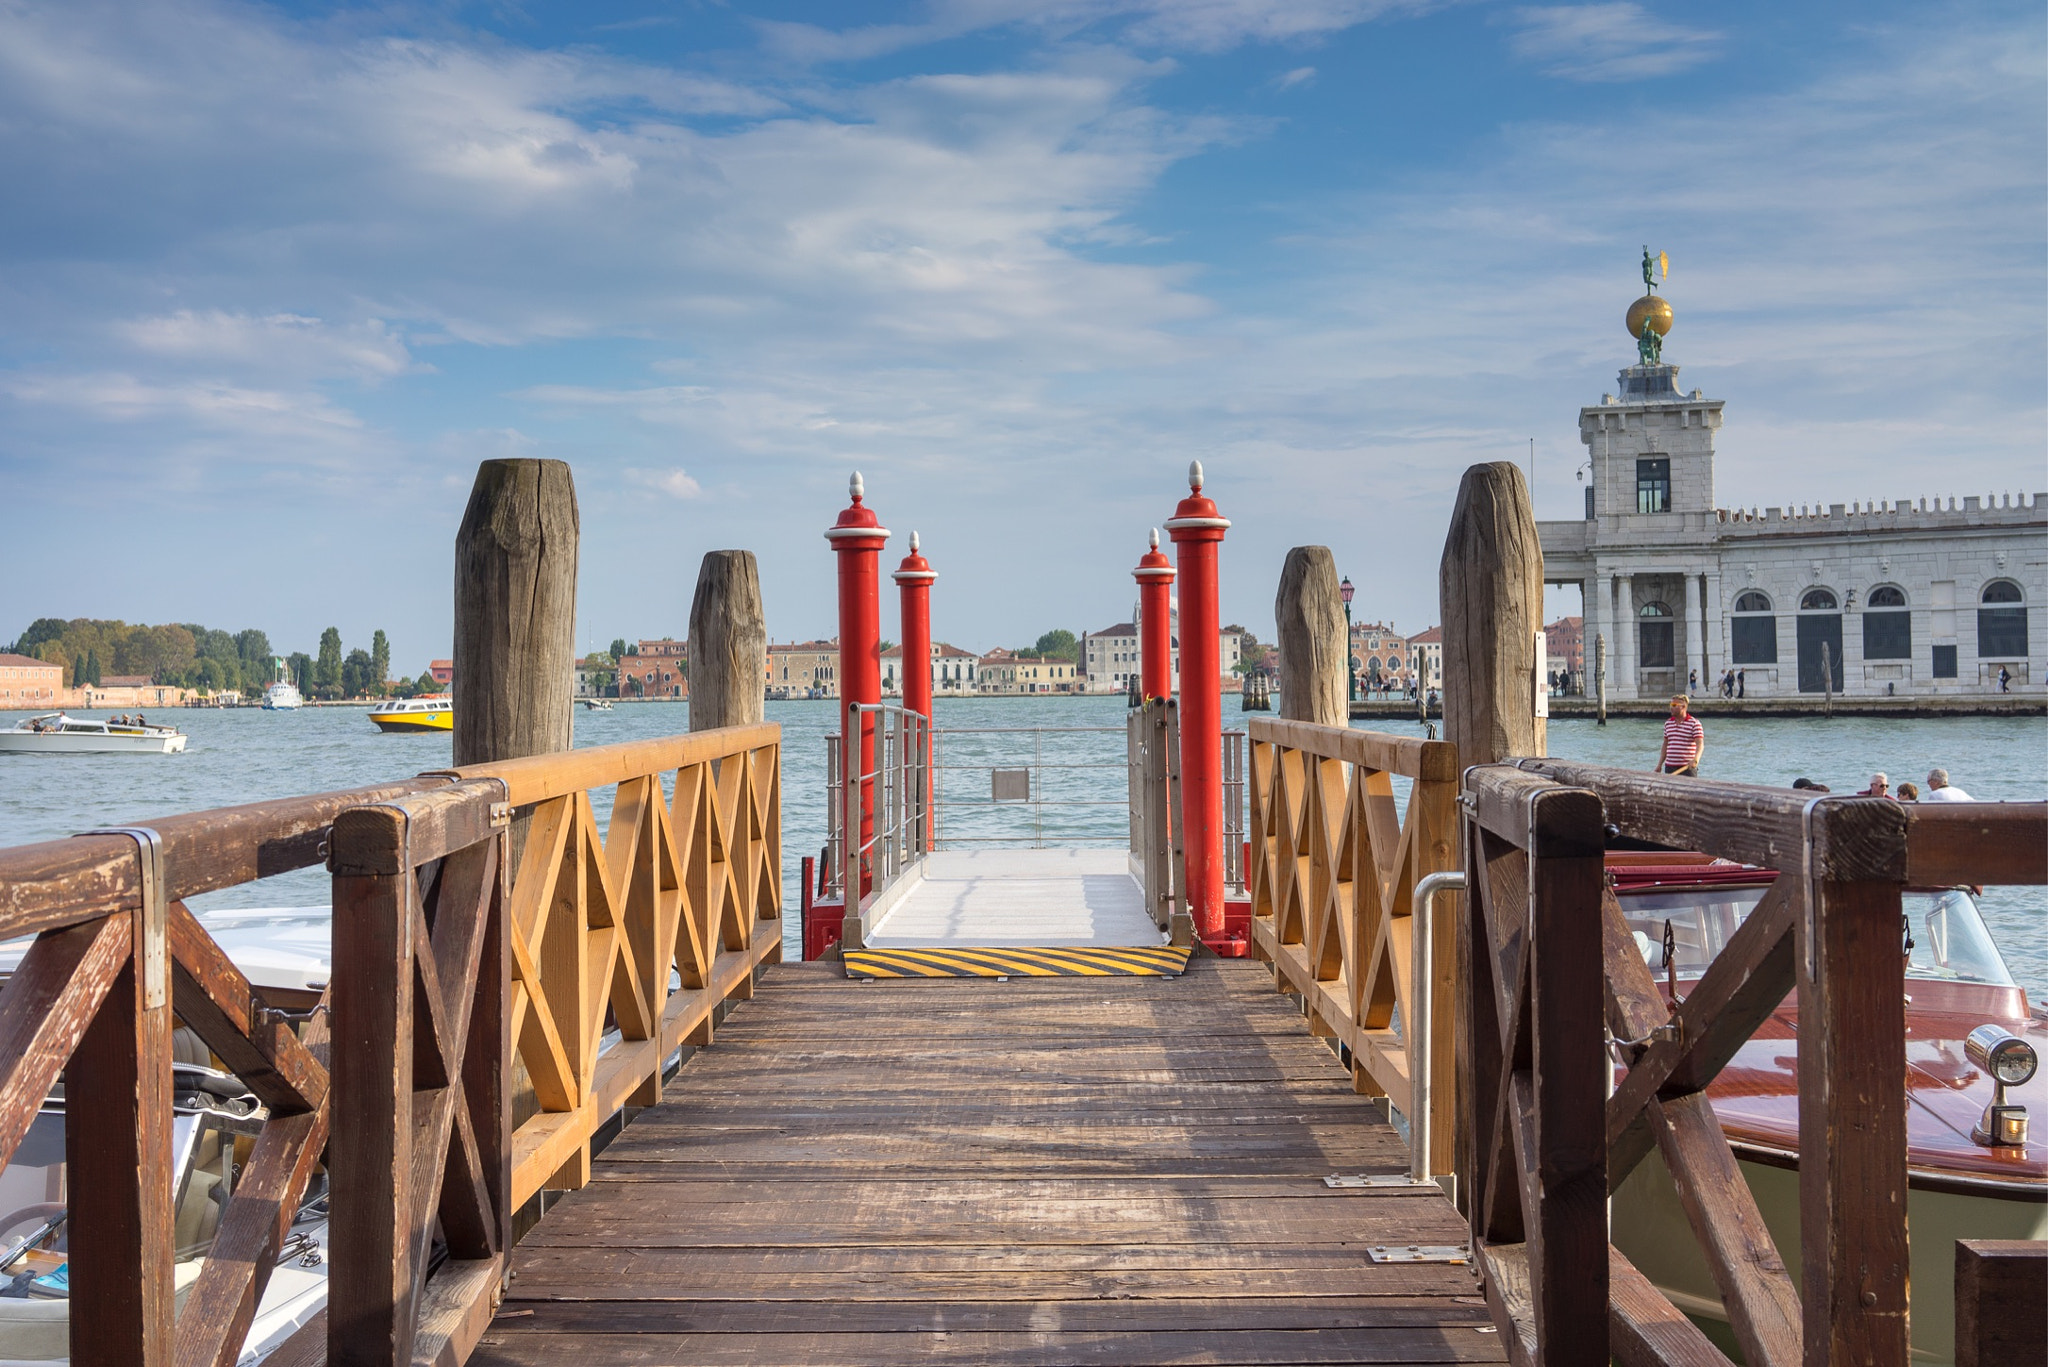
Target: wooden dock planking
(1053,1170)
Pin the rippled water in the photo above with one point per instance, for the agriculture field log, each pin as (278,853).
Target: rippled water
(247,755)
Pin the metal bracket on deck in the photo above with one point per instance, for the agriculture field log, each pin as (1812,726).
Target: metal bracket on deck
(1341,1181)
(1455,1254)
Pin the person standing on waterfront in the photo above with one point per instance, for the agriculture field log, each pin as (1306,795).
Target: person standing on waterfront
(1685,740)
(1741,681)
(2004,679)
(1939,789)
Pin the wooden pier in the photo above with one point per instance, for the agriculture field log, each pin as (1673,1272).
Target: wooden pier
(1054,1170)
(571,1107)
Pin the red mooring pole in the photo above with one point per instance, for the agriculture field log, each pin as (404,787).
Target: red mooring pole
(1155,631)
(1197,529)
(914,579)
(857,538)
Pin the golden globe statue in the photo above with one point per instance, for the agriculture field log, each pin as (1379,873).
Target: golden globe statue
(1653,309)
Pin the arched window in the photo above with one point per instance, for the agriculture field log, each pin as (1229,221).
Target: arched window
(1819,600)
(1753,631)
(2001,630)
(1373,665)
(1887,626)
(1654,634)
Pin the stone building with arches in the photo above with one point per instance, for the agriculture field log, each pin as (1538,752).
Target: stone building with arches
(1906,597)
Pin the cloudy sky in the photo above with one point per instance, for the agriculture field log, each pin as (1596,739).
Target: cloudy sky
(274,278)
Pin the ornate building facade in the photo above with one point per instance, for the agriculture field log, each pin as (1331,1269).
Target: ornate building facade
(1901,597)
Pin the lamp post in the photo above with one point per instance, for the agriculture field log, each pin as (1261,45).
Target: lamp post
(1344,591)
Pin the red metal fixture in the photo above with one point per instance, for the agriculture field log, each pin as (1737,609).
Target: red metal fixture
(914,579)
(857,538)
(1197,529)
(1155,611)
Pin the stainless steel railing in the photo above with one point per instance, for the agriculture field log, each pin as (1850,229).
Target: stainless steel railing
(878,815)
(986,779)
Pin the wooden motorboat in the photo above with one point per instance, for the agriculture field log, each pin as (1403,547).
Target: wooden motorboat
(1962,1183)
(56,733)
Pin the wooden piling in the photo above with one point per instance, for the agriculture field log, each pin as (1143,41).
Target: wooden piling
(1309,613)
(728,643)
(1490,587)
(515,612)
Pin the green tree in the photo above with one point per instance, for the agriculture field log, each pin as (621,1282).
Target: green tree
(618,648)
(327,665)
(41,630)
(426,683)
(298,667)
(602,668)
(252,647)
(89,672)
(357,674)
(380,660)
(1058,644)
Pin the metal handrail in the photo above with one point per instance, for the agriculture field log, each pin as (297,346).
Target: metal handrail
(1422,947)
(870,871)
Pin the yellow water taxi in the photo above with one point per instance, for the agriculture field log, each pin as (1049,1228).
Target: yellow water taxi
(435,712)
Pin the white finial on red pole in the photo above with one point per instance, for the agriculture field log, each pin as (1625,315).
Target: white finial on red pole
(1195,475)
(855,487)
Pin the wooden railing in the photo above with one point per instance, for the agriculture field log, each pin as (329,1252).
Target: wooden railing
(1550,961)
(444,973)
(1333,873)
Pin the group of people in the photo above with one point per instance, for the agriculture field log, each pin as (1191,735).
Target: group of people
(1938,789)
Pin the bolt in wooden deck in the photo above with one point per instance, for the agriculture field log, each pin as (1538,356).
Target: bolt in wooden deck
(1052,1171)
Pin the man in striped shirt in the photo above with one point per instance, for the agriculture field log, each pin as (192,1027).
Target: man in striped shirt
(1684,740)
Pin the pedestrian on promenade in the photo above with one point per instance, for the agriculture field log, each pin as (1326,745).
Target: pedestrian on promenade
(1939,789)
(1741,682)
(2004,679)
(1692,682)
(1880,786)
(1685,740)
(1909,792)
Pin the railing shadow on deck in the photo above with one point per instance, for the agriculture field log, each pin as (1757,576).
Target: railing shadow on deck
(455,980)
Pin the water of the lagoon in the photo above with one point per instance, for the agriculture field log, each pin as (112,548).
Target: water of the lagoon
(246,755)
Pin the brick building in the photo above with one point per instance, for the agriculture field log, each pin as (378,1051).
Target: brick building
(29,682)
(655,669)
(804,669)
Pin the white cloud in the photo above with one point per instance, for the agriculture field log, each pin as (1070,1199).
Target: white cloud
(1301,75)
(289,342)
(1608,42)
(676,483)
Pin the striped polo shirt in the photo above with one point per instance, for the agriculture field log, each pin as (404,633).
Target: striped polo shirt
(1682,738)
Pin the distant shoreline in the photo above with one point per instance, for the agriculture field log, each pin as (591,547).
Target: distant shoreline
(1991,705)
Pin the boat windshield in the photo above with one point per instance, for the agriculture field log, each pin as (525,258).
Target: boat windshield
(1950,943)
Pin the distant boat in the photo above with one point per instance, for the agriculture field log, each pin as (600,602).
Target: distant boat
(282,697)
(435,712)
(596,704)
(54,733)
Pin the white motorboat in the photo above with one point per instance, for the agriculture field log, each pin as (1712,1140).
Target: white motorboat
(55,733)
(596,704)
(282,697)
(285,954)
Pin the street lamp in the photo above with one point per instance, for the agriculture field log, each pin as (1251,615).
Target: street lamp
(1344,591)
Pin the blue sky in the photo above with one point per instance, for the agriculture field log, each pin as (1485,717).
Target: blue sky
(273,278)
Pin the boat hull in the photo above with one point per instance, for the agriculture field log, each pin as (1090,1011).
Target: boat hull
(1650,1227)
(88,743)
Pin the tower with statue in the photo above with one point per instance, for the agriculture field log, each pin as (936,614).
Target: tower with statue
(1876,597)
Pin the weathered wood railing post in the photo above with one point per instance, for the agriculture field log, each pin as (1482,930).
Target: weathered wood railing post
(1309,617)
(1852,1072)
(728,643)
(515,613)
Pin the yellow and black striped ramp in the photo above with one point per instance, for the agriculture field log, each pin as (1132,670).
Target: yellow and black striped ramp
(1142,961)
